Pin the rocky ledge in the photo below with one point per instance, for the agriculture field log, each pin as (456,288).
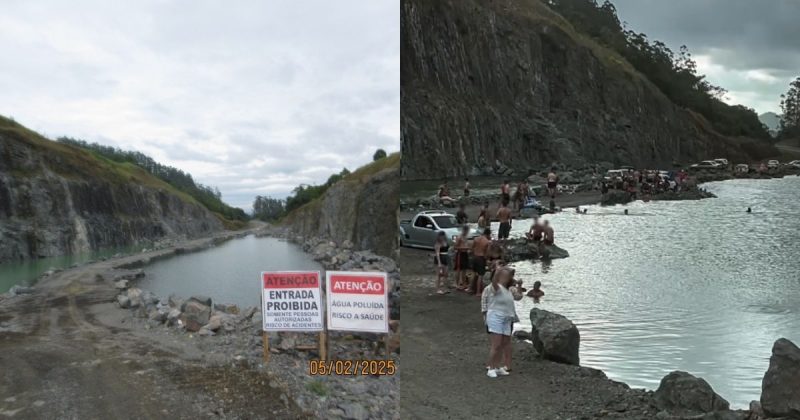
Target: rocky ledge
(680,395)
(614,197)
(523,250)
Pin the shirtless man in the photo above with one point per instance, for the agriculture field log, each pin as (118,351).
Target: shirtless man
(536,231)
(552,182)
(483,217)
(547,230)
(505,192)
(466,187)
(462,258)
(480,248)
(504,215)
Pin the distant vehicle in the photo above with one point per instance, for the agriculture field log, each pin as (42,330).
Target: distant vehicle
(615,174)
(707,164)
(742,168)
(422,229)
(664,174)
(723,162)
(794,164)
(773,164)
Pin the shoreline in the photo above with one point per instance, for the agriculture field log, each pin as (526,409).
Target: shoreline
(449,333)
(89,290)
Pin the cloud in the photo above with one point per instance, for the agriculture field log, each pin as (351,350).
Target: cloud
(252,99)
(749,47)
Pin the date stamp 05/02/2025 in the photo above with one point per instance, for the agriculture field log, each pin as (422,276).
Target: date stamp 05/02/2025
(352,367)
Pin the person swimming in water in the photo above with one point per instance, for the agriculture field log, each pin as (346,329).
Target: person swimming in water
(536,292)
(749,210)
(578,209)
(626,211)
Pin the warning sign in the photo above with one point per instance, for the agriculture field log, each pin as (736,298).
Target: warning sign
(290,301)
(357,301)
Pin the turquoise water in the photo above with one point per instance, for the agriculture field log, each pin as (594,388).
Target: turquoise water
(700,286)
(26,272)
(229,272)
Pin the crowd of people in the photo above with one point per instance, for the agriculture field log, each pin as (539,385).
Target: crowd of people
(646,182)
(481,261)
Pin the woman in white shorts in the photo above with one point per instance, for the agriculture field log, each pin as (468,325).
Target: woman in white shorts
(500,316)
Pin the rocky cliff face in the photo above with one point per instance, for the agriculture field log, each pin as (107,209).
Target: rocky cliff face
(56,200)
(510,82)
(360,209)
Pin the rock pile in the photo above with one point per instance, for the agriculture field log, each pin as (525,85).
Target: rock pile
(522,250)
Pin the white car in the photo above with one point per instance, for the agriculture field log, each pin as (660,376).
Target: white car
(772,164)
(722,162)
(794,164)
(707,164)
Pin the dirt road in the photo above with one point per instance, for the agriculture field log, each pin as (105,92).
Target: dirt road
(446,377)
(67,353)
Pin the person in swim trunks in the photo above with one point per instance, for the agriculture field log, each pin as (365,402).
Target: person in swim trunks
(462,258)
(441,259)
(480,248)
(505,192)
(466,187)
(461,215)
(504,215)
(483,217)
(552,182)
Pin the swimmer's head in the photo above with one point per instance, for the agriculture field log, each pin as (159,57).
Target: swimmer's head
(537,284)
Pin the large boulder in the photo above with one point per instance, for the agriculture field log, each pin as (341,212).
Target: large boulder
(685,394)
(780,388)
(195,315)
(613,197)
(555,337)
(522,250)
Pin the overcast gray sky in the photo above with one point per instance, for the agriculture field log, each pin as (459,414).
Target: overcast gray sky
(254,97)
(749,47)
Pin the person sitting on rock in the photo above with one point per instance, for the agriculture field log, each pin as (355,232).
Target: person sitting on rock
(549,234)
(534,234)
(536,292)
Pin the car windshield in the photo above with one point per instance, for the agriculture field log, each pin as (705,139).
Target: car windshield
(445,222)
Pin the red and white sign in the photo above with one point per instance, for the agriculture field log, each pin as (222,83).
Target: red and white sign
(291,301)
(357,301)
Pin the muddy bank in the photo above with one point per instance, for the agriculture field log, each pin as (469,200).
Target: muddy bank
(220,362)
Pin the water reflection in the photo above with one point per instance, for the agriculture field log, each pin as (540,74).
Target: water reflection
(229,272)
(700,286)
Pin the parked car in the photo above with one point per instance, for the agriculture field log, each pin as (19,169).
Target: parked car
(615,174)
(722,162)
(707,164)
(773,164)
(742,168)
(422,229)
(794,164)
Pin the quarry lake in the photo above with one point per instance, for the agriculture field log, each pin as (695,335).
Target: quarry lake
(228,273)
(700,286)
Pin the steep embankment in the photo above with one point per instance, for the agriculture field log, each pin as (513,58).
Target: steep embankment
(512,81)
(56,199)
(361,208)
